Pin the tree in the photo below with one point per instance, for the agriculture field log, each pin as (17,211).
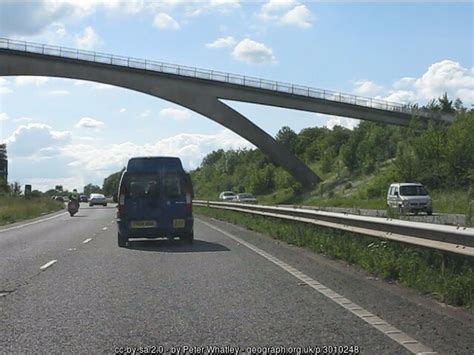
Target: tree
(458,105)
(445,104)
(3,168)
(15,188)
(287,137)
(90,189)
(111,183)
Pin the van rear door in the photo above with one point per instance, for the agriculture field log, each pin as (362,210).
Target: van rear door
(143,200)
(176,208)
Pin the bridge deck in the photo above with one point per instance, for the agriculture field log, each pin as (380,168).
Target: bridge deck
(217,76)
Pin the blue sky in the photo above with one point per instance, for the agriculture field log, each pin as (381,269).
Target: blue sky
(68,132)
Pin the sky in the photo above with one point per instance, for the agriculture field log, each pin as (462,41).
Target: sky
(71,133)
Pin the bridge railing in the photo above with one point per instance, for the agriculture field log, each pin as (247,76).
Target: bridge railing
(64,52)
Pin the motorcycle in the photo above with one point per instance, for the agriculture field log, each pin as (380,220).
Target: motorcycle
(73,207)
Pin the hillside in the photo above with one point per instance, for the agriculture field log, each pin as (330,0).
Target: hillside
(356,166)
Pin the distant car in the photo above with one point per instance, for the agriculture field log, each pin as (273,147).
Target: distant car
(97,199)
(83,198)
(227,196)
(409,197)
(246,198)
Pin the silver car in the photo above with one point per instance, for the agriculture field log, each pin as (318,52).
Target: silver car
(246,198)
(97,199)
(409,197)
(227,196)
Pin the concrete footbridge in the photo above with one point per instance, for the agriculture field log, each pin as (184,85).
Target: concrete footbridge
(202,90)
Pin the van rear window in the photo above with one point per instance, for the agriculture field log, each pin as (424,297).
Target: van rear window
(172,185)
(143,185)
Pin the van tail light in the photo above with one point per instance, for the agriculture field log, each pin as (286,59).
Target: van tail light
(189,203)
(121,200)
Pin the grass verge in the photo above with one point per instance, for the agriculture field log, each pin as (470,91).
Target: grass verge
(447,278)
(15,209)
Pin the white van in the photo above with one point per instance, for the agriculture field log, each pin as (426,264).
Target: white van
(409,197)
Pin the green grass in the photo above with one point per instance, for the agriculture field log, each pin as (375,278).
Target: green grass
(447,278)
(15,209)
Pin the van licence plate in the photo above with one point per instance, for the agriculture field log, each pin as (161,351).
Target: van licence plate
(178,223)
(143,224)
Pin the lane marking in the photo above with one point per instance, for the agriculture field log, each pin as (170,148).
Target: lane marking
(48,264)
(104,229)
(31,223)
(87,240)
(389,330)
(72,249)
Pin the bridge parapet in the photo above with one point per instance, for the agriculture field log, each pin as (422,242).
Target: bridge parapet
(217,76)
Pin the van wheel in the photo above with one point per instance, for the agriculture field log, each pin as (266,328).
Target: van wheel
(122,241)
(429,212)
(188,239)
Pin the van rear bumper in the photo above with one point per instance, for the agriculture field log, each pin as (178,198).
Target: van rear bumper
(159,232)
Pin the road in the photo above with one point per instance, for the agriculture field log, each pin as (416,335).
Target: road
(232,287)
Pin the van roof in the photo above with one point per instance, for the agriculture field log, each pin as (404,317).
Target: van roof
(407,183)
(154,163)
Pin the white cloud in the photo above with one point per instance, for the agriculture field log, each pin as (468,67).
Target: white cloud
(276,5)
(444,76)
(197,8)
(366,88)
(36,139)
(89,122)
(31,80)
(164,21)
(250,51)
(299,16)
(399,96)
(23,119)
(447,76)
(222,42)
(286,12)
(86,138)
(4,117)
(404,83)
(87,39)
(343,122)
(145,114)
(4,89)
(30,18)
(122,110)
(176,114)
(191,148)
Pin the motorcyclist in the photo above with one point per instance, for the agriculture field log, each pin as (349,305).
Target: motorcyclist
(74,196)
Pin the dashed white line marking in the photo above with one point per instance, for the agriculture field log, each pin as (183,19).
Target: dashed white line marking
(48,264)
(31,223)
(395,334)
(87,240)
(72,249)
(104,229)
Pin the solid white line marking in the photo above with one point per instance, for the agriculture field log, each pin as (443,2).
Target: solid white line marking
(87,240)
(31,223)
(48,264)
(401,338)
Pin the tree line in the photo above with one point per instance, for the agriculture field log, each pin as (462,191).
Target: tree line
(440,156)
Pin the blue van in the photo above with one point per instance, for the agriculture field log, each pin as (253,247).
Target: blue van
(155,200)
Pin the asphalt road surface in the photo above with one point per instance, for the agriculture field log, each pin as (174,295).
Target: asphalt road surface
(65,286)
